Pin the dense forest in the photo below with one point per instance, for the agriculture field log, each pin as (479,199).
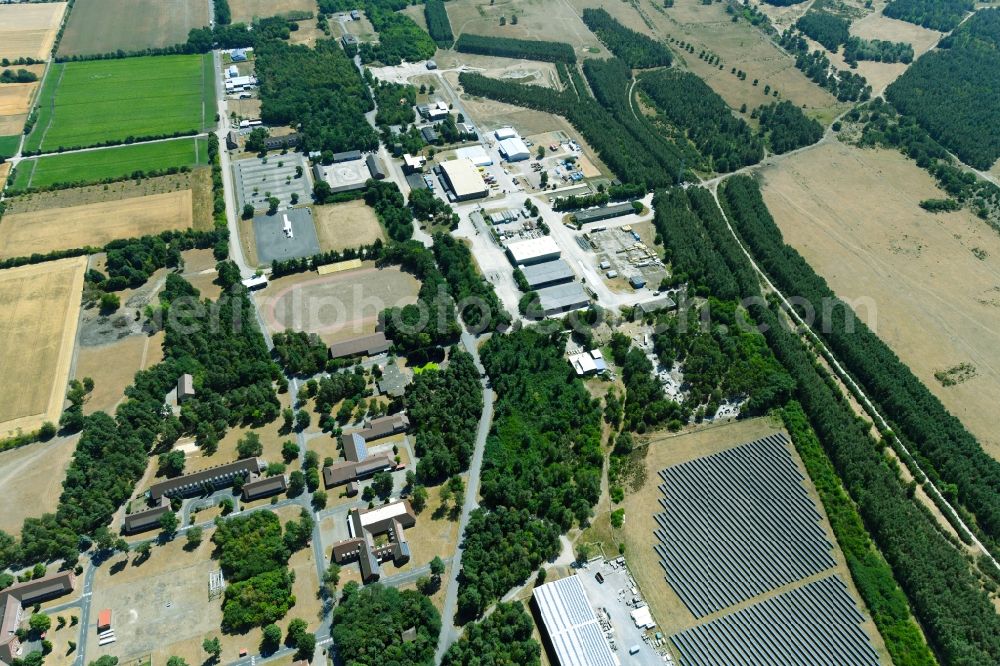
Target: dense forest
(828,29)
(694,111)
(954,91)
(444,407)
(385,198)
(941,15)
(369,622)
(845,86)
(478,304)
(395,102)
(399,37)
(508,47)
(786,128)
(438,24)
(504,638)
(319,91)
(956,615)
(878,50)
(301,353)
(636,49)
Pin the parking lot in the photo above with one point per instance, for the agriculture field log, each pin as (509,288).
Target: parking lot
(275,176)
(274,243)
(614,600)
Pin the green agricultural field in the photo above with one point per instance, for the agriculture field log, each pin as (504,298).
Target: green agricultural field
(8,145)
(93,166)
(91,103)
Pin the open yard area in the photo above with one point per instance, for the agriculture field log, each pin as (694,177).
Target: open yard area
(109,163)
(102,26)
(337,306)
(345,225)
(930,284)
(93,224)
(40,306)
(244,11)
(536,19)
(28,30)
(113,367)
(93,102)
(34,475)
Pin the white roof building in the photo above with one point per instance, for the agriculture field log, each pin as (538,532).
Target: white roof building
(464,179)
(572,625)
(475,154)
(505,133)
(414,163)
(643,618)
(514,149)
(533,250)
(437,110)
(587,362)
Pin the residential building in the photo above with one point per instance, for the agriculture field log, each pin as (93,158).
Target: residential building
(206,480)
(147,519)
(364,525)
(280,142)
(16,598)
(264,486)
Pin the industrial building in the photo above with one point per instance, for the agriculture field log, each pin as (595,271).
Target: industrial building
(349,40)
(240,84)
(464,180)
(475,154)
(505,133)
(347,156)
(563,298)
(429,133)
(365,345)
(533,251)
(655,305)
(547,274)
(185,387)
(375,167)
(588,362)
(209,479)
(16,598)
(571,626)
(412,164)
(604,212)
(434,111)
(366,524)
(514,150)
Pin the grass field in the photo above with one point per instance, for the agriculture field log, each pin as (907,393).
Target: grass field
(41,304)
(344,225)
(102,26)
(8,145)
(932,281)
(93,224)
(34,475)
(88,103)
(115,163)
(28,30)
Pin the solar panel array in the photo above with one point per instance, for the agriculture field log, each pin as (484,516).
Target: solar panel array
(737,524)
(814,625)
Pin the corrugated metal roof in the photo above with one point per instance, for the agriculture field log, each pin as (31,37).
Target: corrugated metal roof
(546,273)
(572,625)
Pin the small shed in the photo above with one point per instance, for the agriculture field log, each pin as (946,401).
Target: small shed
(104,620)
(185,387)
(637,281)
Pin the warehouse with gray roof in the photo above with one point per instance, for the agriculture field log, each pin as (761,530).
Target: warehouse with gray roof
(604,212)
(547,274)
(563,298)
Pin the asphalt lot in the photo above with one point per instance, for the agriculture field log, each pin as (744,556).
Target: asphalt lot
(272,243)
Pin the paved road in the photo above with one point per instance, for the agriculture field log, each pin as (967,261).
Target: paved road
(449,632)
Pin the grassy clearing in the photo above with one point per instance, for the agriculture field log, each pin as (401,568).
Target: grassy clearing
(102,26)
(112,163)
(91,103)
(8,146)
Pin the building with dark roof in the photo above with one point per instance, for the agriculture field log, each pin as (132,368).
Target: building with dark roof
(347,156)
(656,305)
(279,142)
(364,525)
(349,40)
(206,480)
(604,212)
(346,471)
(355,449)
(364,345)
(375,167)
(16,598)
(385,426)
(147,519)
(430,134)
(394,381)
(547,273)
(264,486)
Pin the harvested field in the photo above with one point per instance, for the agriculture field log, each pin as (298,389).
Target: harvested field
(337,306)
(102,26)
(93,102)
(34,475)
(29,30)
(345,225)
(41,306)
(536,19)
(244,11)
(930,283)
(15,102)
(667,449)
(4,170)
(116,163)
(93,224)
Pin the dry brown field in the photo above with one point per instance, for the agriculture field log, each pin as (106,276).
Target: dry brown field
(536,19)
(244,11)
(666,449)
(101,26)
(112,367)
(931,282)
(33,475)
(28,30)
(40,306)
(344,225)
(337,306)
(515,70)
(15,101)
(4,170)
(93,224)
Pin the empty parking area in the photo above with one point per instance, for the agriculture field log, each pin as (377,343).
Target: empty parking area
(258,179)
(289,234)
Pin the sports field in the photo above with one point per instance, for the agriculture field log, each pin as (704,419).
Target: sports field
(90,103)
(40,306)
(118,162)
(96,224)
(102,26)
(28,30)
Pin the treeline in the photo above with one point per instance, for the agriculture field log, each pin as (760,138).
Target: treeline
(508,47)
(943,15)
(479,306)
(634,48)
(390,206)
(399,38)
(949,453)
(223,14)
(786,128)
(505,637)
(954,91)
(877,50)
(444,407)
(845,86)
(369,624)
(541,470)
(697,113)
(300,353)
(438,24)
(828,29)
(599,198)
(319,91)
(20,76)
